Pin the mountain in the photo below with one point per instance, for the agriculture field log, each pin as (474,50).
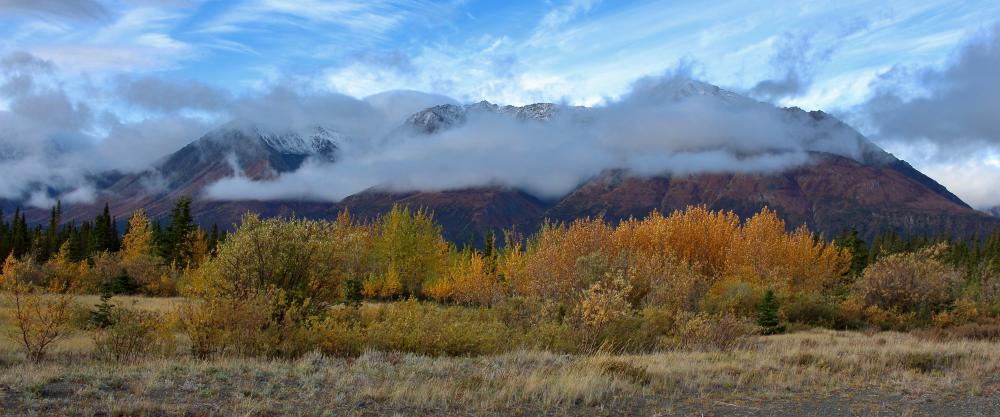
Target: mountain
(847,182)
(237,148)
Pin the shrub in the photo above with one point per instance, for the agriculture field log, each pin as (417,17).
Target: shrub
(291,255)
(709,332)
(422,328)
(733,297)
(605,302)
(815,309)
(262,324)
(911,283)
(132,336)
(40,319)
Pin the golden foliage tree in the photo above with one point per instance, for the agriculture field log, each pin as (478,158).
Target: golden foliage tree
(138,240)
(410,249)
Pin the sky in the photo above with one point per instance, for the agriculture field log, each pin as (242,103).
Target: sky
(92,84)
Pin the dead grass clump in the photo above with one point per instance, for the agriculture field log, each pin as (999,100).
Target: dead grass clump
(969,331)
(627,371)
(927,362)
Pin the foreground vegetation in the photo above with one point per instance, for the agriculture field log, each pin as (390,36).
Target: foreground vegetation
(283,314)
(817,372)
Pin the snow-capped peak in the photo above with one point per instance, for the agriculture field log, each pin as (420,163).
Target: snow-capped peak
(444,116)
(306,141)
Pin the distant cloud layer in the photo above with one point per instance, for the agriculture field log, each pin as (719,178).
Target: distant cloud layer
(946,118)
(665,125)
(954,106)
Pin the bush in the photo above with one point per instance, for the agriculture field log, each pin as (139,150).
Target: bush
(132,336)
(294,256)
(733,297)
(40,319)
(814,309)
(263,324)
(907,286)
(706,332)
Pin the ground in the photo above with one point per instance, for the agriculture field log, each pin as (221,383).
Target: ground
(811,372)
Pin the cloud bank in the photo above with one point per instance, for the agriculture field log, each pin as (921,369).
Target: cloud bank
(944,118)
(669,124)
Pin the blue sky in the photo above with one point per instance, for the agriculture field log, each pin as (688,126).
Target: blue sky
(512,52)
(830,55)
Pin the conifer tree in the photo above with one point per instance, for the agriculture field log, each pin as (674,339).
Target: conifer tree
(767,314)
(213,239)
(4,238)
(176,234)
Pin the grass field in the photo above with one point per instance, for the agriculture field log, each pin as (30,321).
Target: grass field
(815,372)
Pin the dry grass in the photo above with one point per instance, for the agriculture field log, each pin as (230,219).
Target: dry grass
(807,365)
(79,343)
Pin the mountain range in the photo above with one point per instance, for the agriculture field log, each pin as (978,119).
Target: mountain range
(873,191)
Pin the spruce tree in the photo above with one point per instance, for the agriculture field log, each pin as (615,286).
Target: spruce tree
(213,239)
(4,237)
(102,317)
(181,225)
(767,314)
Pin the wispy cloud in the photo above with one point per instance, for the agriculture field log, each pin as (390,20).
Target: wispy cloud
(75,9)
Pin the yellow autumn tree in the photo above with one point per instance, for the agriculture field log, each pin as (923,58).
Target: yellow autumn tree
(408,248)
(138,240)
(61,272)
(138,258)
(467,280)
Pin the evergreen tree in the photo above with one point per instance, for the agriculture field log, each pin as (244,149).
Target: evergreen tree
(103,237)
(490,251)
(767,314)
(857,247)
(213,239)
(176,234)
(52,240)
(4,238)
(102,318)
(20,237)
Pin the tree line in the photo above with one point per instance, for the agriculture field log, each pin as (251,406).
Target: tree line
(86,239)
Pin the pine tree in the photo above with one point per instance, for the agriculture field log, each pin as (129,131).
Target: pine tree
(52,234)
(102,318)
(767,314)
(857,247)
(213,239)
(490,251)
(4,237)
(176,234)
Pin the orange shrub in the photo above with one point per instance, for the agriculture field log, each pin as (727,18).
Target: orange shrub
(673,259)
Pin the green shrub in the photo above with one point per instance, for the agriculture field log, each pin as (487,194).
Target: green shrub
(811,308)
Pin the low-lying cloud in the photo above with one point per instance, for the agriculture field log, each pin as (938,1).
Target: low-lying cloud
(57,147)
(665,125)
